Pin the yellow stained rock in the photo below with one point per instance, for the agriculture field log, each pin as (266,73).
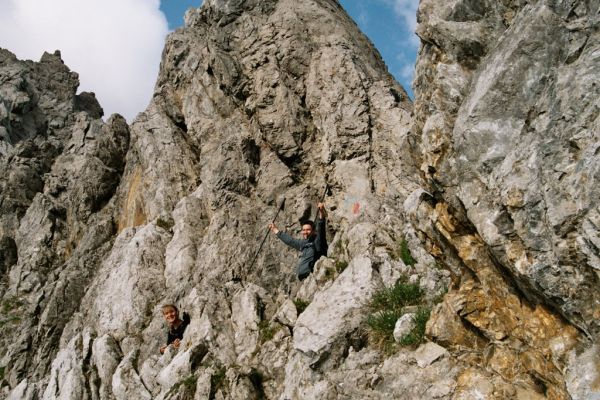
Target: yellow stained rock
(526,344)
(132,212)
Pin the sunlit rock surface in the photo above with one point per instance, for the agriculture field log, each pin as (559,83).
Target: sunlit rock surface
(490,180)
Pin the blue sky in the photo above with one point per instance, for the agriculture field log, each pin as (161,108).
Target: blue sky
(174,10)
(389,24)
(115,45)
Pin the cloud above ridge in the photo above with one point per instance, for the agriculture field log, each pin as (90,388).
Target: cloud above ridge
(114,45)
(407,11)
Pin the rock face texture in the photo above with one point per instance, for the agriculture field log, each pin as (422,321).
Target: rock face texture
(61,166)
(507,130)
(489,180)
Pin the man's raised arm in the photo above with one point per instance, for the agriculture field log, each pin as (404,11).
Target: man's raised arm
(286,238)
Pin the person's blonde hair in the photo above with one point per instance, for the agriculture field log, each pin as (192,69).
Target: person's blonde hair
(167,306)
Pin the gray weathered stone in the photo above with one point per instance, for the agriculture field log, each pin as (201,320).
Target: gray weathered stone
(67,379)
(489,180)
(582,374)
(126,382)
(336,311)
(428,353)
(404,325)
(106,356)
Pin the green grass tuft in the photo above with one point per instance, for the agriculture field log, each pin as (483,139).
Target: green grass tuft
(301,305)
(400,295)
(10,304)
(381,330)
(387,307)
(340,246)
(329,273)
(218,381)
(405,254)
(190,382)
(340,266)
(383,322)
(9,311)
(417,335)
(166,224)
(266,331)
(186,388)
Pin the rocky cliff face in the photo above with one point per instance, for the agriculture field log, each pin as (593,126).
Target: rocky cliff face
(489,180)
(507,130)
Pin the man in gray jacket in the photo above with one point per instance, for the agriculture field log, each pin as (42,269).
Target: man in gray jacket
(312,246)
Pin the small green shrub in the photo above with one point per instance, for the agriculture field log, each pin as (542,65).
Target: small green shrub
(13,319)
(9,311)
(301,305)
(400,295)
(387,307)
(10,304)
(190,382)
(2,369)
(218,381)
(165,223)
(340,246)
(417,334)
(329,273)
(185,387)
(405,254)
(340,266)
(266,331)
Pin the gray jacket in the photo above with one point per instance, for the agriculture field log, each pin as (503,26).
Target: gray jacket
(310,249)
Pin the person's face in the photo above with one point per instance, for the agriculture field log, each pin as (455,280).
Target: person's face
(170,315)
(307,231)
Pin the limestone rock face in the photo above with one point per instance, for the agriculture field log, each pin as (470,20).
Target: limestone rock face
(334,312)
(517,149)
(61,166)
(507,137)
(488,181)
(529,195)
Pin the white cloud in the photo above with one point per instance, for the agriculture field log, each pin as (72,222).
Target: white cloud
(407,11)
(407,72)
(363,16)
(114,45)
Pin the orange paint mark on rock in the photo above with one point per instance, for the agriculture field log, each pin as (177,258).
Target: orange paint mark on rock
(356,208)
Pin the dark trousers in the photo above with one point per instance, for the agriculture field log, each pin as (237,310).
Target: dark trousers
(302,277)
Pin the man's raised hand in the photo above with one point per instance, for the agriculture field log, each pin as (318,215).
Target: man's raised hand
(322,212)
(273,228)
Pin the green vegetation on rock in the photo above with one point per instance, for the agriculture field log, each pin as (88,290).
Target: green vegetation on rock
(301,305)
(388,305)
(266,331)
